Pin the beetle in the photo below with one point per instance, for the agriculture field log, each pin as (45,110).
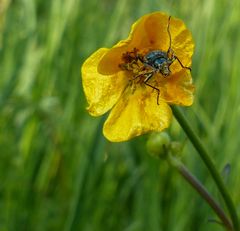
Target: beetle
(158,61)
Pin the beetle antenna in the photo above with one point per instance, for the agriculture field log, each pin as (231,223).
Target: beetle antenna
(169,34)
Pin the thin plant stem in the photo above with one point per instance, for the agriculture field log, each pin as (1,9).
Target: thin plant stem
(197,185)
(203,152)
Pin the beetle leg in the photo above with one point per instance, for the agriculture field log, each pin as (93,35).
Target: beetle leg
(153,71)
(146,82)
(189,68)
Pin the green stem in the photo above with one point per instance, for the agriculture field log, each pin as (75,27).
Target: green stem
(197,185)
(209,163)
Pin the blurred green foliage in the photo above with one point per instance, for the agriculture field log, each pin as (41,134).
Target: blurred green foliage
(57,171)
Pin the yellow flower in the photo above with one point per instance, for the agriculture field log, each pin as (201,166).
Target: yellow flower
(123,77)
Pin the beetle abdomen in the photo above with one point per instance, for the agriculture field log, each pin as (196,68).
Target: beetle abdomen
(153,55)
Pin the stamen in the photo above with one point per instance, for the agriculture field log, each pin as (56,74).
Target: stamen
(140,73)
(133,62)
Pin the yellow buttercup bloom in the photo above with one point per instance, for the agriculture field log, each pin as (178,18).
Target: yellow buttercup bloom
(140,76)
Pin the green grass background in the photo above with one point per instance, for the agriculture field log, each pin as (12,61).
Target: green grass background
(57,171)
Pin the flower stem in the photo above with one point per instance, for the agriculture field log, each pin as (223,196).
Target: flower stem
(197,185)
(209,163)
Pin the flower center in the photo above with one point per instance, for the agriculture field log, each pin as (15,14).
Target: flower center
(133,61)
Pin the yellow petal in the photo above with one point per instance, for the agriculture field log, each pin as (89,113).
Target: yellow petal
(102,91)
(182,41)
(150,33)
(157,38)
(177,88)
(135,114)
(109,64)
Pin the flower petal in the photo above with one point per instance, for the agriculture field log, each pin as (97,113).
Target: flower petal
(152,29)
(150,33)
(177,88)
(102,91)
(109,64)
(155,30)
(146,33)
(135,114)
(182,41)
